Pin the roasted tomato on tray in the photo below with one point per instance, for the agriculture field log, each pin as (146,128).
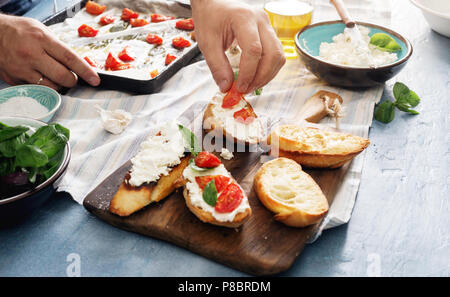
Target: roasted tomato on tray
(187,24)
(128,14)
(95,8)
(180,42)
(87,31)
(157,18)
(113,64)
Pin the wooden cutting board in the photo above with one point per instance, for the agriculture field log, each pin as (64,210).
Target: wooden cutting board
(262,246)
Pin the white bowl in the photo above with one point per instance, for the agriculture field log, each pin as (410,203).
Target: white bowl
(437,14)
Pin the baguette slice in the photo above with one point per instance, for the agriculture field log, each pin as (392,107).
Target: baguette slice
(205,213)
(315,148)
(290,193)
(221,120)
(129,199)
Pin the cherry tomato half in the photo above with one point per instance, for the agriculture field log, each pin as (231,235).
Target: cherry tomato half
(86,31)
(229,199)
(187,24)
(95,8)
(206,160)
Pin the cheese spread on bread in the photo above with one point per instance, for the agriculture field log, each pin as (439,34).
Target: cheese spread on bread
(158,153)
(196,193)
(248,132)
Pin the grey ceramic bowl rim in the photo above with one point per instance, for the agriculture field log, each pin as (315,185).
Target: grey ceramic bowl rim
(50,90)
(48,182)
(383,67)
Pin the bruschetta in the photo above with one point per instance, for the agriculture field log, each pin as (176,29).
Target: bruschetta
(155,173)
(212,194)
(232,116)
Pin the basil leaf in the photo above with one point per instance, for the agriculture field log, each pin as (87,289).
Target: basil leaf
(195,167)
(191,140)
(6,166)
(406,107)
(9,147)
(11,132)
(30,156)
(258,91)
(210,193)
(50,139)
(385,42)
(236,75)
(385,112)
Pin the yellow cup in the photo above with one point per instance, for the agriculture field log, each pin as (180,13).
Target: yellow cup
(287,18)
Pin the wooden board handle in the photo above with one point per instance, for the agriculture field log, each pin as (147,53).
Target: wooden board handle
(314,108)
(343,13)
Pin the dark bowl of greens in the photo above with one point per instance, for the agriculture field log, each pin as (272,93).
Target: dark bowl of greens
(33,158)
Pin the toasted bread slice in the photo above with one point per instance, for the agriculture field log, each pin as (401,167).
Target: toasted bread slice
(290,193)
(129,199)
(206,213)
(315,148)
(222,121)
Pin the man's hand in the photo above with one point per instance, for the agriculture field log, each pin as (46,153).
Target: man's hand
(28,51)
(218,23)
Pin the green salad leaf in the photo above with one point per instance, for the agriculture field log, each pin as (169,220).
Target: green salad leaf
(210,193)
(195,167)
(405,100)
(385,42)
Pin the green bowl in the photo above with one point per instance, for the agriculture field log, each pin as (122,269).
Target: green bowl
(43,95)
(308,42)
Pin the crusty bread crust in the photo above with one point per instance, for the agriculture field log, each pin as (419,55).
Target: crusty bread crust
(291,214)
(206,217)
(213,124)
(129,199)
(316,158)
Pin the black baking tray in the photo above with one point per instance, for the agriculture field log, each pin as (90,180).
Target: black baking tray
(114,82)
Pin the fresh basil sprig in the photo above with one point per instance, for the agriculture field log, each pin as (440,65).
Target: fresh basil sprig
(210,193)
(257,92)
(405,100)
(193,145)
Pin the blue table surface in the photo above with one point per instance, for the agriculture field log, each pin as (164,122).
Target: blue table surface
(400,224)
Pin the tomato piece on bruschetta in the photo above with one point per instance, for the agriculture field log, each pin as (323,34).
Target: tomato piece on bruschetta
(206,160)
(87,31)
(154,39)
(169,59)
(106,20)
(154,73)
(180,42)
(158,18)
(229,199)
(125,55)
(128,14)
(95,8)
(113,64)
(244,116)
(138,22)
(91,62)
(221,181)
(232,97)
(187,24)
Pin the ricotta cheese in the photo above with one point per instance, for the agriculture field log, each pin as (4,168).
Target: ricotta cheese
(157,155)
(196,193)
(226,154)
(344,52)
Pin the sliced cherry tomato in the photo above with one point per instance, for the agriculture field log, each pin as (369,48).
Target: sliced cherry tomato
(206,160)
(180,42)
(154,39)
(106,19)
(157,18)
(113,64)
(138,22)
(128,14)
(86,31)
(229,199)
(221,181)
(92,62)
(244,116)
(232,97)
(95,8)
(169,59)
(125,55)
(154,73)
(187,24)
